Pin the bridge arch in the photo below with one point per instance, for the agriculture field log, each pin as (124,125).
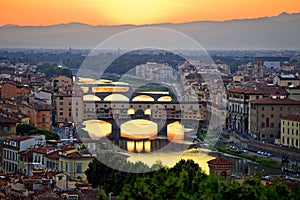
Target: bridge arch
(91,97)
(97,128)
(143,97)
(165,98)
(116,97)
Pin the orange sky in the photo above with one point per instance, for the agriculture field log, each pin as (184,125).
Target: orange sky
(114,12)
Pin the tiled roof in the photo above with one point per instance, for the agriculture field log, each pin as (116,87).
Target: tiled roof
(21,138)
(8,120)
(219,161)
(293,117)
(259,89)
(53,155)
(275,101)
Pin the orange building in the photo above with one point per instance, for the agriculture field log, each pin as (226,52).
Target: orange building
(10,90)
(221,168)
(40,115)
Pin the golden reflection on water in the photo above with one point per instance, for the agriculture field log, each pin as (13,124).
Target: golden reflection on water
(130,146)
(90,97)
(143,98)
(110,89)
(147,146)
(170,159)
(165,98)
(97,128)
(175,132)
(84,89)
(116,97)
(139,129)
(139,146)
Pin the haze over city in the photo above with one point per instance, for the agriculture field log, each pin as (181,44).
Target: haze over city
(149,99)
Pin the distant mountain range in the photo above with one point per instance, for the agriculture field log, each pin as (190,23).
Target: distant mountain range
(278,32)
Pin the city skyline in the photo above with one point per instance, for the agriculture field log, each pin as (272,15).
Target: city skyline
(110,13)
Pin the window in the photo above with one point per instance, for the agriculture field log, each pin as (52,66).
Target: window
(61,98)
(66,167)
(272,125)
(61,113)
(272,108)
(263,125)
(43,120)
(5,129)
(272,115)
(262,115)
(281,109)
(267,122)
(78,168)
(72,197)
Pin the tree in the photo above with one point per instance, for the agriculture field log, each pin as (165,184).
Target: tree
(49,135)
(23,129)
(102,195)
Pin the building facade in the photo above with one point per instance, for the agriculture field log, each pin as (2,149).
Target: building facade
(266,114)
(11,149)
(290,131)
(239,107)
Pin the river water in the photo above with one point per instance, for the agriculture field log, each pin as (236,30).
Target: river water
(241,166)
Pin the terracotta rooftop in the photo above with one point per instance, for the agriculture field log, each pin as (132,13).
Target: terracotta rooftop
(259,89)
(53,155)
(293,117)
(21,138)
(219,161)
(277,101)
(75,155)
(8,120)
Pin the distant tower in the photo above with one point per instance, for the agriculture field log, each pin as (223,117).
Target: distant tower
(221,168)
(259,67)
(250,72)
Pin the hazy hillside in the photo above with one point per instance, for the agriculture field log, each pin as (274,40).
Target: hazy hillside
(279,32)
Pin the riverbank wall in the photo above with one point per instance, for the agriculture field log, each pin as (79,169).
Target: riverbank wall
(276,150)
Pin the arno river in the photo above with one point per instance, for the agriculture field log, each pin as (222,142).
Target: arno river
(241,166)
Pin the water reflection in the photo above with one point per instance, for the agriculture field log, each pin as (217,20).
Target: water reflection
(97,128)
(175,132)
(244,167)
(171,158)
(139,129)
(143,98)
(110,89)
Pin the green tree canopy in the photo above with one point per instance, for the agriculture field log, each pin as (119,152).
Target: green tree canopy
(49,135)
(23,129)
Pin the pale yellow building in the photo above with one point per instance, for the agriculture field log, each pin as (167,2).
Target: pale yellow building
(290,129)
(74,163)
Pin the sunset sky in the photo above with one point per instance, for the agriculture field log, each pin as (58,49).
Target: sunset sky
(115,12)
